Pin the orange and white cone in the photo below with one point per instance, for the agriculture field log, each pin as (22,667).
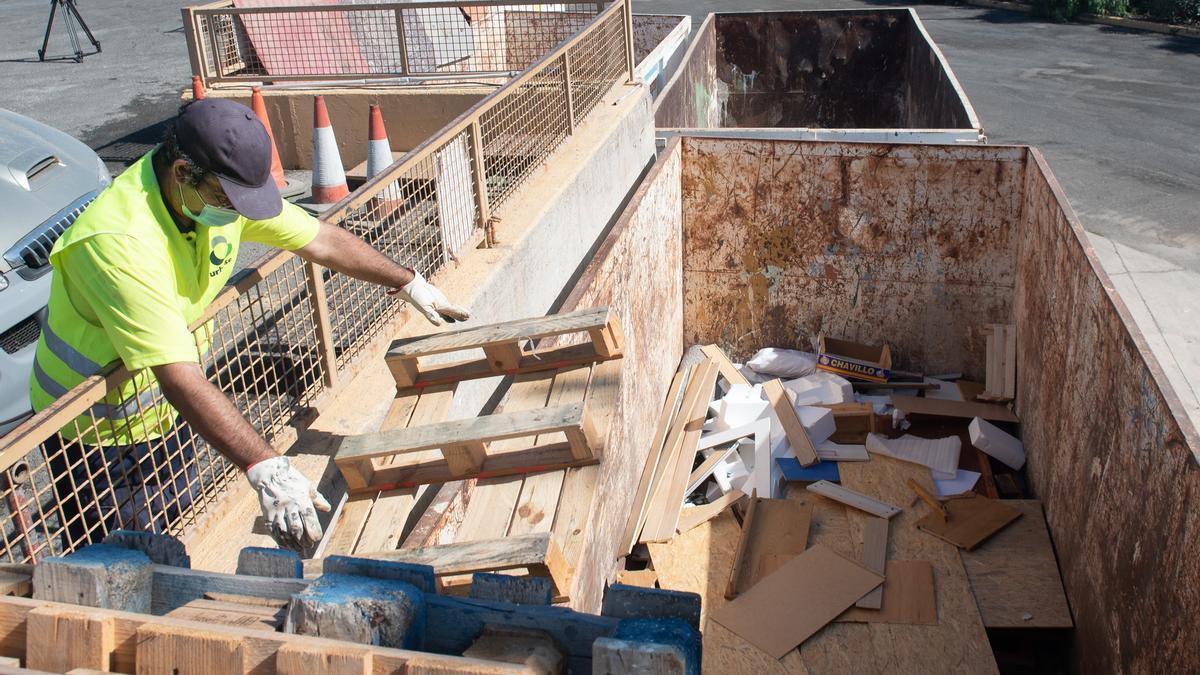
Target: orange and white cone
(328,174)
(197,88)
(379,151)
(259,106)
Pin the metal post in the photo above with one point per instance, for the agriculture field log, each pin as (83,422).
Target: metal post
(479,173)
(403,41)
(190,30)
(314,278)
(629,39)
(215,50)
(566,68)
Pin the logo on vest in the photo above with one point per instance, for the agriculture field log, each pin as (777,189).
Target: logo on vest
(222,251)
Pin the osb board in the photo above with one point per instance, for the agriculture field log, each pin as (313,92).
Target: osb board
(636,270)
(913,245)
(1014,575)
(690,99)
(1111,453)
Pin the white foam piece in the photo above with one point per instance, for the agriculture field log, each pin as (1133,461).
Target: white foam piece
(731,473)
(820,387)
(818,422)
(997,443)
(963,481)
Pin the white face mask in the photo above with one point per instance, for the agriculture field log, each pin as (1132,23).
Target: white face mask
(213,216)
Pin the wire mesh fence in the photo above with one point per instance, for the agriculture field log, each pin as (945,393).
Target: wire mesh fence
(282,335)
(260,40)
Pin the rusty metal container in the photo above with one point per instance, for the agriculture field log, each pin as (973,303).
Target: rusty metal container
(869,75)
(748,243)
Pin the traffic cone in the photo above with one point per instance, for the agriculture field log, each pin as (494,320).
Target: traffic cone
(197,88)
(379,151)
(259,106)
(328,174)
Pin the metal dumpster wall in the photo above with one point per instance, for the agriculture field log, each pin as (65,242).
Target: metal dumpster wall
(911,244)
(1112,454)
(638,271)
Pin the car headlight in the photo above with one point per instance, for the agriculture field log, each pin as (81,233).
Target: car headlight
(104,176)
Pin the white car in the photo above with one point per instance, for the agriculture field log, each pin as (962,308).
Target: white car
(46,179)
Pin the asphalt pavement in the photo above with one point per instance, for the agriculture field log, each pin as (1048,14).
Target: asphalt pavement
(1115,111)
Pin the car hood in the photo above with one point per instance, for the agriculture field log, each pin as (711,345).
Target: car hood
(42,170)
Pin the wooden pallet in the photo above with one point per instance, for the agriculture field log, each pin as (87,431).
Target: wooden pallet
(505,348)
(559,437)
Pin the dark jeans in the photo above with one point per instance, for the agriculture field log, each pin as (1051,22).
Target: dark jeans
(132,487)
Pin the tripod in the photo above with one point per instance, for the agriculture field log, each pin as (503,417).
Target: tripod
(71,17)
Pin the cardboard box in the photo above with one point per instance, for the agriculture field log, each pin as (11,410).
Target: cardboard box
(854,360)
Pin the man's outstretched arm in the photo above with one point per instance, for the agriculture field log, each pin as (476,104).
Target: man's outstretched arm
(289,500)
(340,250)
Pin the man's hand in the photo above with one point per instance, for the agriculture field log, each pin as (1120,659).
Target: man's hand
(289,502)
(430,301)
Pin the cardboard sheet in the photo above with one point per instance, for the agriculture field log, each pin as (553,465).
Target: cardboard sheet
(790,605)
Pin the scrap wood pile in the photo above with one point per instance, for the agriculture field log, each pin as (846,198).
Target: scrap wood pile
(810,497)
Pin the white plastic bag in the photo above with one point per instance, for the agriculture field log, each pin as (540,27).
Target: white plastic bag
(783,362)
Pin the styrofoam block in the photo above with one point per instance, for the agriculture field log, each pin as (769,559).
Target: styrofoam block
(818,422)
(731,474)
(820,387)
(783,362)
(742,405)
(997,443)
(939,454)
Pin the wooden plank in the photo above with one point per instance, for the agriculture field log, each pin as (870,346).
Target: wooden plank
(773,532)
(641,498)
(702,472)
(646,578)
(258,617)
(300,659)
(798,439)
(485,428)
(12,583)
(940,407)
(59,639)
(176,586)
(932,502)
(731,374)
(694,515)
(217,644)
(858,500)
(970,522)
(343,536)
(1015,578)
(165,648)
(1010,361)
(407,373)
(508,331)
(663,515)
(908,596)
(875,538)
(786,608)
(492,555)
(534,649)
(390,519)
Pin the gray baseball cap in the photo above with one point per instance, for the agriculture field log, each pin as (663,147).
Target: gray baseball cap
(227,139)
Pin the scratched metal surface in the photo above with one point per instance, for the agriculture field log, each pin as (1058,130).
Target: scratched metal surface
(913,245)
(1111,453)
(638,272)
(690,99)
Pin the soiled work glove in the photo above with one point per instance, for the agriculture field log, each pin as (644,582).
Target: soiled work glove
(289,502)
(430,301)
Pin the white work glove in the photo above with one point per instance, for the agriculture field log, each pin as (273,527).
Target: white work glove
(289,502)
(430,301)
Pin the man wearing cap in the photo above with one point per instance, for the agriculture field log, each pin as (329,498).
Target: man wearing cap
(141,264)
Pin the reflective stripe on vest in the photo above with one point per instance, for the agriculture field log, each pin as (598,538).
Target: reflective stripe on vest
(74,360)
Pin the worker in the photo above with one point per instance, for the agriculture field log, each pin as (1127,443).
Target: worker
(140,264)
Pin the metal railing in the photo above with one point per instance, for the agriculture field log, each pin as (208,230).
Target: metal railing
(281,338)
(265,41)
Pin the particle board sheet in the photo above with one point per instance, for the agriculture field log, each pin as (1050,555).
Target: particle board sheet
(971,521)
(1015,577)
